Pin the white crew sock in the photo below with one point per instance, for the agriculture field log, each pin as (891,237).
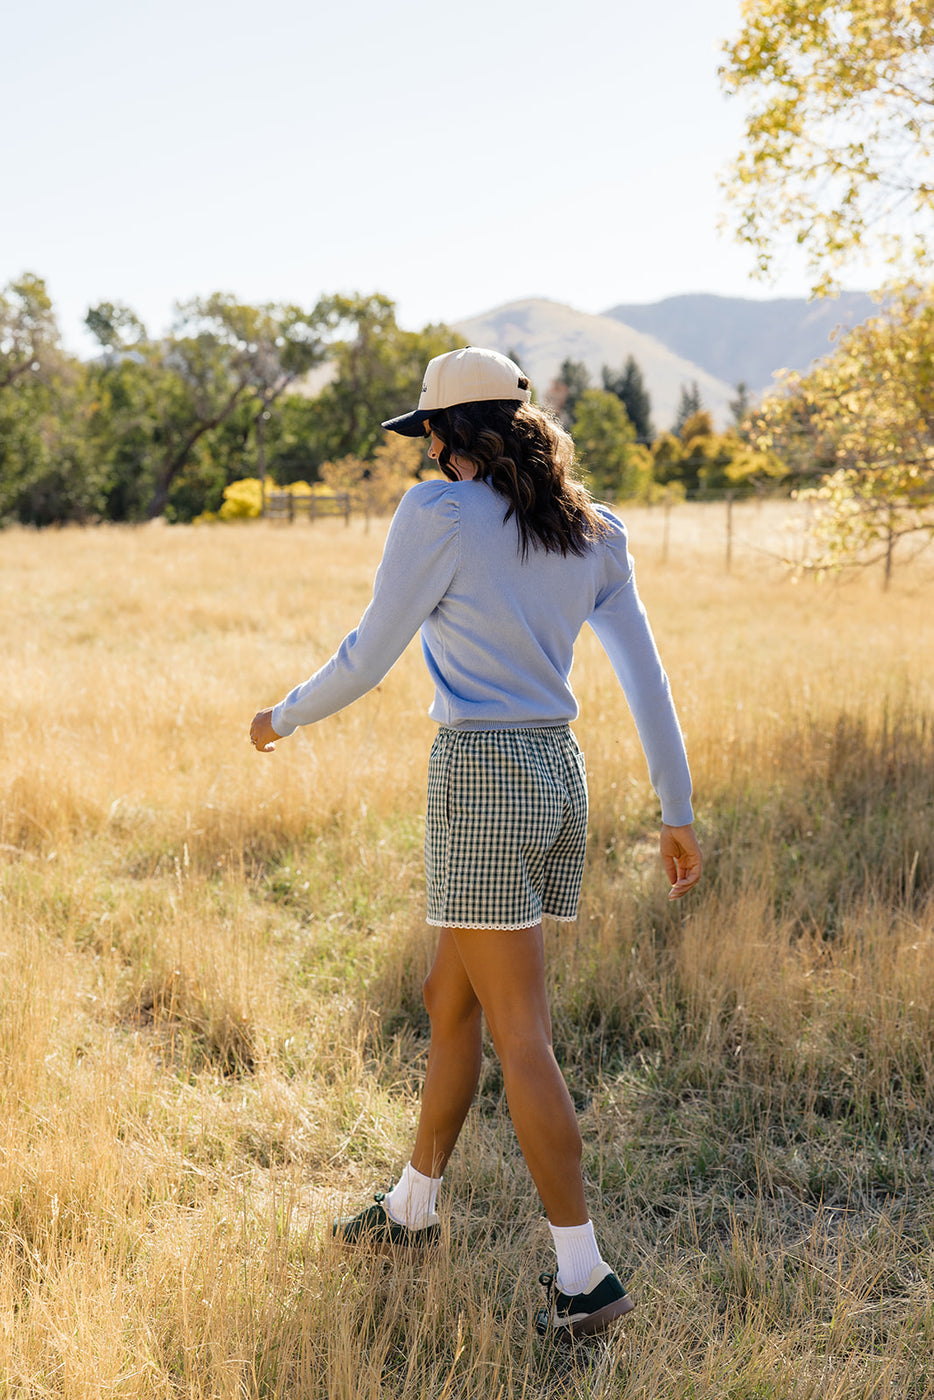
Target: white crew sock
(412,1201)
(577,1253)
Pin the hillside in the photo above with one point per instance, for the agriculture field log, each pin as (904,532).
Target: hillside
(737,339)
(542,333)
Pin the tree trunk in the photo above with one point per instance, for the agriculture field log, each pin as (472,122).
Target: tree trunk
(175,462)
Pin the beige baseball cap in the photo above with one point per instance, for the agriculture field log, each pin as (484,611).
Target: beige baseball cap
(463,376)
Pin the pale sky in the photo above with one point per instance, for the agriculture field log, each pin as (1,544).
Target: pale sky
(453,157)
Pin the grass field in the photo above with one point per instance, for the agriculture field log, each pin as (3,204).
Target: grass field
(211,1030)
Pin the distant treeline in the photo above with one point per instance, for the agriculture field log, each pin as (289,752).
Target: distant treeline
(160,426)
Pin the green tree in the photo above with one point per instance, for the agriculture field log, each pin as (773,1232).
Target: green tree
(115,326)
(294,452)
(125,411)
(379,372)
(702,459)
(689,403)
(691,456)
(741,407)
(732,462)
(46,472)
(29,342)
(864,419)
(606,446)
(160,402)
(629,388)
(667,455)
(566,390)
(840,132)
(227,355)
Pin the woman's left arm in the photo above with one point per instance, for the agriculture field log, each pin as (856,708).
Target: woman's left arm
(624,632)
(417,567)
(620,622)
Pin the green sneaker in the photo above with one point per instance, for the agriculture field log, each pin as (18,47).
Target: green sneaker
(374,1227)
(583,1314)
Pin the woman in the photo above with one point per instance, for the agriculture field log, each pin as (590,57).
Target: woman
(500,565)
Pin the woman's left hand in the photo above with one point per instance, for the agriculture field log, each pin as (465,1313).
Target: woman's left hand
(262,735)
(681,857)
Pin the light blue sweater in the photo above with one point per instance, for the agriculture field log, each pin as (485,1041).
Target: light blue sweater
(498,631)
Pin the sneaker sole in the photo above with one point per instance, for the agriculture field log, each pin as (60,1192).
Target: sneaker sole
(600,1320)
(587,1326)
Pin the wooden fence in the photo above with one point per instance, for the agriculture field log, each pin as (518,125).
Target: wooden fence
(285,505)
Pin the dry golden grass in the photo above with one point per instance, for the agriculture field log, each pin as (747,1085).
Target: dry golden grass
(211,1032)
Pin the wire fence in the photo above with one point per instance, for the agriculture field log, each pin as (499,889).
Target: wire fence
(743,520)
(742,527)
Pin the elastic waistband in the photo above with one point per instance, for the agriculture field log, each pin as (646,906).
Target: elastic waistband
(561,727)
(535,731)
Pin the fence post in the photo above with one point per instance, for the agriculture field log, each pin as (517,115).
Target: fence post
(666,529)
(729,531)
(261,455)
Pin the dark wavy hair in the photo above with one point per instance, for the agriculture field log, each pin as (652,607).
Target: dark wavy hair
(527,456)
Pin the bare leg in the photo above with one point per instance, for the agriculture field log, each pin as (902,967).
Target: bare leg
(506,970)
(453,1058)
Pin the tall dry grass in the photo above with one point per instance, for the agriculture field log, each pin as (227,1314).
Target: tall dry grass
(211,1031)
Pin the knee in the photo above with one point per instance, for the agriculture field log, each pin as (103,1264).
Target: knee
(447,1013)
(431,997)
(521,1047)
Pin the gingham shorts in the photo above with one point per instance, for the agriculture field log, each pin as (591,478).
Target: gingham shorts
(506,827)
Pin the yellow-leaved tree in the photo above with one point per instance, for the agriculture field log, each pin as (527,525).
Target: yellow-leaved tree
(840,131)
(863,421)
(377,486)
(699,459)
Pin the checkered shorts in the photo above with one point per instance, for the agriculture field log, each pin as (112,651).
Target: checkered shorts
(506,827)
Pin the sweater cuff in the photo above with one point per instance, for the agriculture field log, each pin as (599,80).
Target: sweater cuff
(283,727)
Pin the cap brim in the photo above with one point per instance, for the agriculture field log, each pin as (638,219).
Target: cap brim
(408,424)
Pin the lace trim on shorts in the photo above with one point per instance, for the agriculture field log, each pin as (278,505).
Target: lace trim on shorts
(506,928)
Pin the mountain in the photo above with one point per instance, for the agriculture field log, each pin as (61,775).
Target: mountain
(540,334)
(737,339)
